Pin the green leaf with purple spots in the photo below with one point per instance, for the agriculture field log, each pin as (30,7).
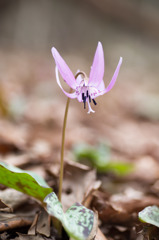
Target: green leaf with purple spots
(24,181)
(54,207)
(150,215)
(78,221)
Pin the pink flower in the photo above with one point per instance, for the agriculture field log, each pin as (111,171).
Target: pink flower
(86,89)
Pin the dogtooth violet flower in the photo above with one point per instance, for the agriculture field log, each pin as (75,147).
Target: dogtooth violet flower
(85,89)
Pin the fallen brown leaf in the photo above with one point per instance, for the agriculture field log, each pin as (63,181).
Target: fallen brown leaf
(122,208)
(10,221)
(100,235)
(12,198)
(77,180)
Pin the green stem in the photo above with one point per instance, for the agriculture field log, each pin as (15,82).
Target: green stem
(62,149)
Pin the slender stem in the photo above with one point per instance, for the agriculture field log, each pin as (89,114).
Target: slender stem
(62,149)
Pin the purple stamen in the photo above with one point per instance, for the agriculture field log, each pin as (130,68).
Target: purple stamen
(87,93)
(94,102)
(84,101)
(83,97)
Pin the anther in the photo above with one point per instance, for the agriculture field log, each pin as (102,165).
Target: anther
(89,98)
(94,102)
(87,93)
(83,97)
(84,101)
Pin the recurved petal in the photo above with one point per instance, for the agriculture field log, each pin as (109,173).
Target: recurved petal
(70,95)
(97,69)
(101,86)
(112,82)
(64,70)
(102,91)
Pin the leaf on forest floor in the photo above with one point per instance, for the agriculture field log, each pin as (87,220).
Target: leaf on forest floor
(30,237)
(100,158)
(10,221)
(150,215)
(4,207)
(141,168)
(8,147)
(78,181)
(24,181)
(43,223)
(78,221)
(121,208)
(100,235)
(12,198)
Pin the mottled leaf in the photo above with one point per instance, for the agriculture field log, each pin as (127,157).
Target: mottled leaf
(78,221)
(81,221)
(24,181)
(54,207)
(150,215)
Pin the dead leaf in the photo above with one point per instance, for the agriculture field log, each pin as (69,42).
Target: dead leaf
(32,229)
(77,180)
(43,223)
(89,194)
(100,235)
(122,208)
(4,207)
(10,221)
(142,168)
(30,237)
(7,147)
(12,198)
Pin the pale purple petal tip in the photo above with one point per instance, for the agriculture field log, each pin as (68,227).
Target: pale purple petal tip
(112,82)
(97,69)
(64,70)
(70,95)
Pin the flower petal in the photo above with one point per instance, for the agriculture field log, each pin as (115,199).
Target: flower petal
(97,69)
(101,86)
(101,91)
(70,95)
(112,82)
(64,70)
(79,98)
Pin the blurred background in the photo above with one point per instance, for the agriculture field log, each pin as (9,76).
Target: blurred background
(126,28)
(29,94)
(125,125)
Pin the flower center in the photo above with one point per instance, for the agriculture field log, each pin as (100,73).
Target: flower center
(86,95)
(85,92)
